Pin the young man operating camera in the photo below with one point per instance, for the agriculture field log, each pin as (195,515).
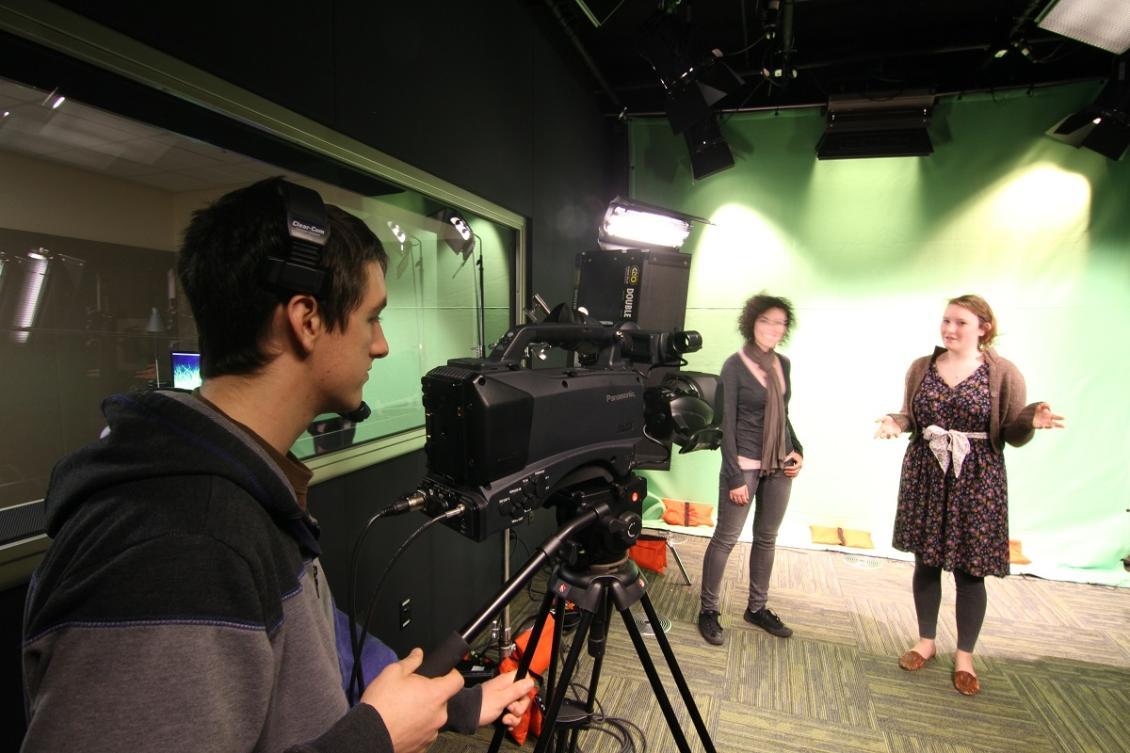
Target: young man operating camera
(180,606)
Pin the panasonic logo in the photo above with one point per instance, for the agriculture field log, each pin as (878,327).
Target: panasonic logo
(618,397)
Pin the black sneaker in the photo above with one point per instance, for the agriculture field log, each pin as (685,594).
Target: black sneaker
(769,622)
(710,628)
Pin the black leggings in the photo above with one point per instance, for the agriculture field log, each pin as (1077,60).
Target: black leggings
(971,602)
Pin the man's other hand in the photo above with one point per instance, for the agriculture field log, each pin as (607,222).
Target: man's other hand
(501,694)
(413,707)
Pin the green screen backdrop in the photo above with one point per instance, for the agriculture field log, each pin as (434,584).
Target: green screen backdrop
(869,251)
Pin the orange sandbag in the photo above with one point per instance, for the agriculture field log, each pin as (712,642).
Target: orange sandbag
(650,554)
(676,512)
(531,720)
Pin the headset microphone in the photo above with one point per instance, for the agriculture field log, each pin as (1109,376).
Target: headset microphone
(358,414)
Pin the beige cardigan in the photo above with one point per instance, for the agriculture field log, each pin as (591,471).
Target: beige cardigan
(1010,420)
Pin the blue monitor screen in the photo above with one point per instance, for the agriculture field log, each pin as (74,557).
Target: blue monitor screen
(186,370)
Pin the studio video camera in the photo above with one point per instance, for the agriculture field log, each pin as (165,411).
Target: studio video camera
(505,439)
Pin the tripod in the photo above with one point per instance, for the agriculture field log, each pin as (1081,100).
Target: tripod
(605,522)
(596,591)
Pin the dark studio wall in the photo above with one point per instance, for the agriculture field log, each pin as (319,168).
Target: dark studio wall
(481,95)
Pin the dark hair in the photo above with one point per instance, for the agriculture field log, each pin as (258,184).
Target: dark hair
(219,265)
(758,305)
(980,308)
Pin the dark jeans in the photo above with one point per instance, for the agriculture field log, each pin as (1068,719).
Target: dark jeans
(769,496)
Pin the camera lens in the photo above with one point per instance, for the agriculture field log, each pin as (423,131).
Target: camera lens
(686,342)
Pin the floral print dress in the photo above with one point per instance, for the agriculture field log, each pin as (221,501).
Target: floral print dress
(955,523)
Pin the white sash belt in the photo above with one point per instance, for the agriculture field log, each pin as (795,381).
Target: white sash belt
(947,444)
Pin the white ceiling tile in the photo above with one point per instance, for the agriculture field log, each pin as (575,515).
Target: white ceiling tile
(174,181)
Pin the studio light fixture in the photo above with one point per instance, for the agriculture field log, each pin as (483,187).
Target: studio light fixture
(877,126)
(397,232)
(35,267)
(456,232)
(54,100)
(634,224)
(693,83)
(1104,125)
(1101,23)
(708,149)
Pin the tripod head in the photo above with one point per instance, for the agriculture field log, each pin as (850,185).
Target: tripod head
(603,519)
(617,505)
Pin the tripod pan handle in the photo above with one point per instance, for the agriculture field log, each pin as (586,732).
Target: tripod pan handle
(444,657)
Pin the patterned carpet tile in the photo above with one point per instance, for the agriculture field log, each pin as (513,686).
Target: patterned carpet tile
(898,743)
(925,704)
(1020,598)
(883,627)
(742,729)
(1012,639)
(808,679)
(1084,708)
(1121,638)
(1054,661)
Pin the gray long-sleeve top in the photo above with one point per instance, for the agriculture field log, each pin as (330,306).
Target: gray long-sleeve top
(743,417)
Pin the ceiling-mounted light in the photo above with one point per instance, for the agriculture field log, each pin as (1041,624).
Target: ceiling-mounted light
(891,126)
(1102,23)
(456,232)
(708,149)
(1104,125)
(397,232)
(693,83)
(37,267)
(53,100)
(634,224)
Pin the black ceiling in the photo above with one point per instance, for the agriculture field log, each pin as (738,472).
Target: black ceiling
(849,47)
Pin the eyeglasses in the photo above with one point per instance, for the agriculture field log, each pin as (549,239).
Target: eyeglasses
(772,322)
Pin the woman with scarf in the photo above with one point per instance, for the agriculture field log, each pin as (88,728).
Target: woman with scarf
(962,404)
(760,458)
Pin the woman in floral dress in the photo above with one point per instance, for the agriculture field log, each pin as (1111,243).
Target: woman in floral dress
(962,404)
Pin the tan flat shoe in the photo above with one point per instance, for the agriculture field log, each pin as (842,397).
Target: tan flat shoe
(966,683)
(912,661)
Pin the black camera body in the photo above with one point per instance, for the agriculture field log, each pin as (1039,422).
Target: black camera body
(503,438)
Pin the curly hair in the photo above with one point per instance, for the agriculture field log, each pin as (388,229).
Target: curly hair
(758,305)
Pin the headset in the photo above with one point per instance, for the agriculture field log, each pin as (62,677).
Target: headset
(308,228)
(301,269)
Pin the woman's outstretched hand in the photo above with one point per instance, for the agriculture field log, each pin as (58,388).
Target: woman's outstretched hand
(1045,419)
(888,428)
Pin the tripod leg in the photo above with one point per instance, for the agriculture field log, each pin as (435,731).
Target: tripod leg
(549,722)
(676,673)
(527,656)
(555,647)
(598,640)
(656,683)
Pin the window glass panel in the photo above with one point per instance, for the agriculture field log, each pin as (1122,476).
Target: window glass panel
(93,205)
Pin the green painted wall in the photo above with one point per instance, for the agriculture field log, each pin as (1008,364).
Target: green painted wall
(869,251)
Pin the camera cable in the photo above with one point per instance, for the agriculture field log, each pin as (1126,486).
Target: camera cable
(410,502)
(356,683)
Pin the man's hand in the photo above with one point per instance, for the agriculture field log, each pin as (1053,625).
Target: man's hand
(413,707)
(501,694)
